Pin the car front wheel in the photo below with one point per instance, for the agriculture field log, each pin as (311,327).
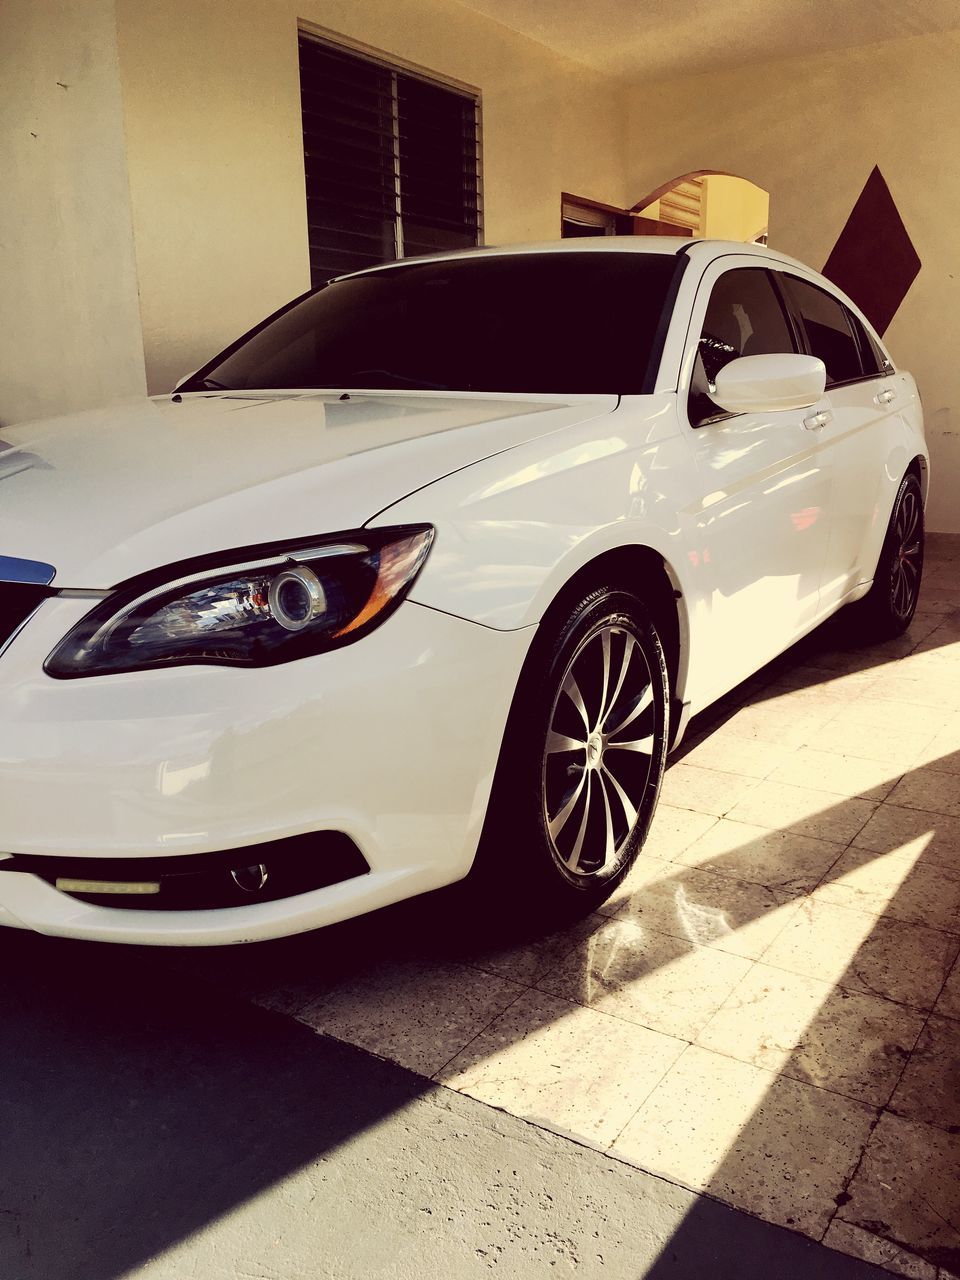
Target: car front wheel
(582,759)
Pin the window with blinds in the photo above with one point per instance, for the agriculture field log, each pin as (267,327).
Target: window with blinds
(392,162)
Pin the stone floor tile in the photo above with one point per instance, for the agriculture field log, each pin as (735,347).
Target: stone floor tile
(892,827)
(924,622)
(816,688)
(860,952)
(904,687)
(819,703)
(942,547)
(948,1005)
(659,981)
(891,717)
(556,1063)
(808,812)
(672,830)
(936,653)
(930,790)
(709,791)
(415,1013)
(907,1189)
(773,1146)
(940,567)
(898,751)
(846,1238)
(710,910)
(930,1087)
(946,598)
(815,1032)
(748,757)
(646,871)
(899,884)
(936,602)
(943,751)
(527,958)
(769,724)
(845,775)
(834,674)
(777,859)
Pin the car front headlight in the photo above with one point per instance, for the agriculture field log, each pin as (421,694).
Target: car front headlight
(282,602)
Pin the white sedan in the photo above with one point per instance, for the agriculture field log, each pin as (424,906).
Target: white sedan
(424,576)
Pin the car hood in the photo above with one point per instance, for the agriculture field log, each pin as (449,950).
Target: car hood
(104,495)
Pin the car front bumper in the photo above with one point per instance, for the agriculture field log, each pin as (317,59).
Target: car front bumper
(392,741)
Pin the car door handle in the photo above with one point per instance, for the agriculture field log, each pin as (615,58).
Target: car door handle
(885,396)
(816,421)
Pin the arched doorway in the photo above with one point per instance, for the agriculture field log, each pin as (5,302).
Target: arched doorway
(711,204)
(704,203)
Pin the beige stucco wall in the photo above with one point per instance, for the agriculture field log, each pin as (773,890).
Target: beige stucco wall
(809,131)
(69,318)
(211,95)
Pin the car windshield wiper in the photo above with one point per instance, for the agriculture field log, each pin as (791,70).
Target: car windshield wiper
(211,384)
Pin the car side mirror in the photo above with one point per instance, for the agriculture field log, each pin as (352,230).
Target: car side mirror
(769,384)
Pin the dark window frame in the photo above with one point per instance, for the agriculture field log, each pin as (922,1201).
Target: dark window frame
(366,145)
(887,367)
(869,356)
(793,303)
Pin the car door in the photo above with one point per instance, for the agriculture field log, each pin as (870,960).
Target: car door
(761,523)
(854,432)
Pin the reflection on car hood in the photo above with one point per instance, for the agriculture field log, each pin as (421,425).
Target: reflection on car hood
(106,494)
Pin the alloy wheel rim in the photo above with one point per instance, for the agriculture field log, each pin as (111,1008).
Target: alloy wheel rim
(598,756)
(908,556)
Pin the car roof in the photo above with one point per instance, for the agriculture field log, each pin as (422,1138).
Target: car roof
(702,250)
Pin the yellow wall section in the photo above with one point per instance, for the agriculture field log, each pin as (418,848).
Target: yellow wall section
(734,209)
(810,131)
(211,98)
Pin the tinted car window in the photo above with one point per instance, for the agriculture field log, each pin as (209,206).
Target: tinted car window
(556,323)
(744,318)
(828,331)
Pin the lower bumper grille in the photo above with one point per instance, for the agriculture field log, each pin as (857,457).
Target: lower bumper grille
(203,881)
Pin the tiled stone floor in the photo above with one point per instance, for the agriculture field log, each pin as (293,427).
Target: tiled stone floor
(769,1008)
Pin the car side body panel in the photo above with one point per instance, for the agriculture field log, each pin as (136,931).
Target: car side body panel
(740,512)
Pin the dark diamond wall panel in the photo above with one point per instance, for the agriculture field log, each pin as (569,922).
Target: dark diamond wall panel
(874,260)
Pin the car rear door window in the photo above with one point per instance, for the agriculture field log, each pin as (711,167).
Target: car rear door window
(874,362)
(830,335)
(744,317)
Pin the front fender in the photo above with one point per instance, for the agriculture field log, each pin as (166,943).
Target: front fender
(513,530)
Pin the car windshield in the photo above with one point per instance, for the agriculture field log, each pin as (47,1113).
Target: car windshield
(556,324)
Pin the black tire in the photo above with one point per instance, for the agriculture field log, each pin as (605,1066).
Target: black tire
(888,608)
(577,764)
